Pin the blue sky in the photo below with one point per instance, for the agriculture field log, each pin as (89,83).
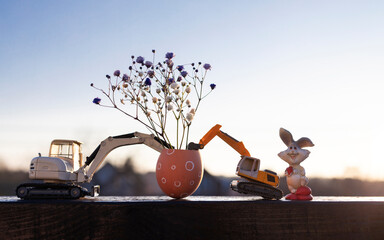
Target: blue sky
(314,68)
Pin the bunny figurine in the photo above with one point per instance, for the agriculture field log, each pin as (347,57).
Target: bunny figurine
(294,155)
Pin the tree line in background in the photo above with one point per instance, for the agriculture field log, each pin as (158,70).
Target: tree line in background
(126,181)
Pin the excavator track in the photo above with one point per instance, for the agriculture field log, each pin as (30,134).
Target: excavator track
(257,189)
(54,190)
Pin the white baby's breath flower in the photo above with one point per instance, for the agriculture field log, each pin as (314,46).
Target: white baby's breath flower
(188,89)
(189,116)
(170,107)
(141,74)
(192,111)
(143,94)
(168,99)
(154,100)
(174,85)
(158,90)
(148,114)
(188,102)
(183,84)
(176,91)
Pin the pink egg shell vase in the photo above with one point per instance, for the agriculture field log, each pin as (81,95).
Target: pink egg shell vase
(179,172)
(295,174)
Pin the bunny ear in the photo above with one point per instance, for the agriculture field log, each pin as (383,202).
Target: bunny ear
(305,142)
(286,136)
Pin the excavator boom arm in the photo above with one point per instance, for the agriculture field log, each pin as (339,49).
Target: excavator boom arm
(237,145)
(215,131)
(93,162)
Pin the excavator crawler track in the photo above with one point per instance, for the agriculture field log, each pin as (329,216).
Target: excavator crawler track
(257,189)
(53,190)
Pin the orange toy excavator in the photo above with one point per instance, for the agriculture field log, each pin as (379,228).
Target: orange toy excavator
(255,182)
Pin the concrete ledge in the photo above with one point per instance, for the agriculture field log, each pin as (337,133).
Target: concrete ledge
(194,218)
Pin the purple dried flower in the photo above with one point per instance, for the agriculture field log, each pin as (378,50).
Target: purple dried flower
(213,86)
(96,100)
(125,77)
(169,55)
(151,74)
(184,73)
(148,64)
(180,68)
(107,76)
(170,81)
(207,66)
(179,78)
(116,73)
(139,59)
(169,63)
(148,82)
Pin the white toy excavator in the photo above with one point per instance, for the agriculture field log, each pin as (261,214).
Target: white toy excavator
(254,181)
(64,169)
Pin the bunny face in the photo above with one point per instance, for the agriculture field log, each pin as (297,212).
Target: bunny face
(294,155)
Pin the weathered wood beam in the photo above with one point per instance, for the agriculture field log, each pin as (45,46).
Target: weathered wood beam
(193,218)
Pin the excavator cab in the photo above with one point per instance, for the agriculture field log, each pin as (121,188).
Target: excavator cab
(249,168)
(67,150)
